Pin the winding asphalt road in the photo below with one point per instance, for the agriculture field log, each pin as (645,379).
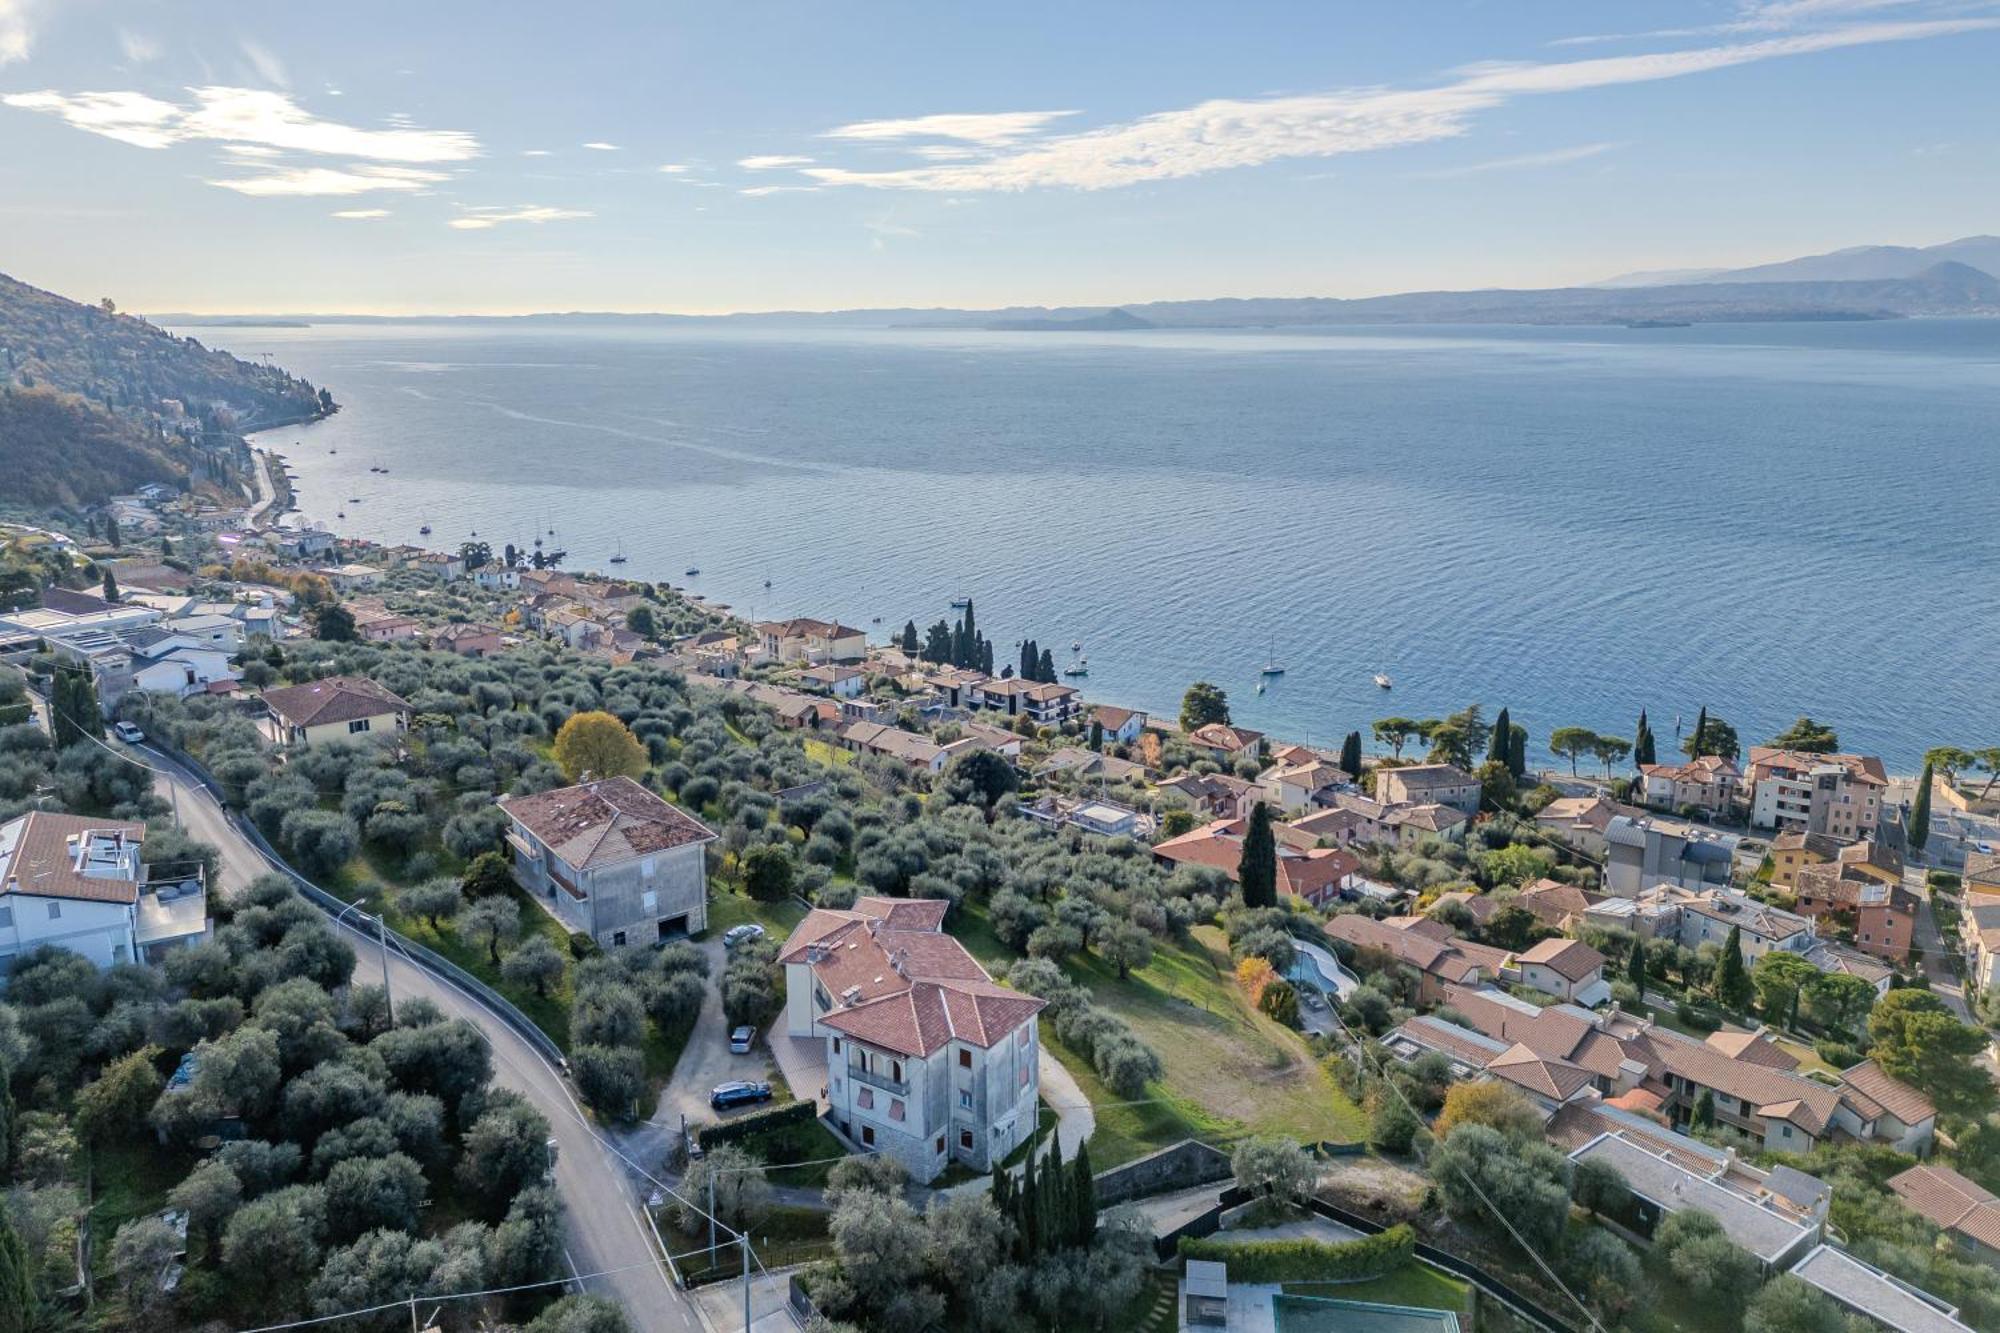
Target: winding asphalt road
(606,1232)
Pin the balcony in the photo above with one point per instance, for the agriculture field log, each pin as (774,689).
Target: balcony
(875,1080)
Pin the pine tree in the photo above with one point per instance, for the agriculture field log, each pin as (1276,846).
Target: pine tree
(1732,979)
(1700,734)
(1635,966)
(1085,1192)
(1350,755)
(1257,871)
(1920,812)
(1502,744)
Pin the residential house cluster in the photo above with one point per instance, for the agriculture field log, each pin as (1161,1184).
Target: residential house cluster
(1314,874)
(82,883)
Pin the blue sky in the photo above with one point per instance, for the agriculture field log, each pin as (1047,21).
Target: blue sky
(467,155)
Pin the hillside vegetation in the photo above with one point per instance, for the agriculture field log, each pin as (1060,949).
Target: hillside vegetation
(100,401)
(61,450)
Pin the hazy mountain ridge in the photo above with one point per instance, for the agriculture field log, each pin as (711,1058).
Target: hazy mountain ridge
(1867,282)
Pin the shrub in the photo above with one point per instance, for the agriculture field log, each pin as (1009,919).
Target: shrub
(1307,1260)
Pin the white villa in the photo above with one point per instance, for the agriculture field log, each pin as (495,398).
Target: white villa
(927,1059)
(78,883)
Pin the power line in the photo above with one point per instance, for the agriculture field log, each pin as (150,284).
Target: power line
(447,1296)
(1491,1207)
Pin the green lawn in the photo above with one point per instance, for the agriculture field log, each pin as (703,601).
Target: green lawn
(806,1141)
(831,755)
(1415,1284)
(727,908)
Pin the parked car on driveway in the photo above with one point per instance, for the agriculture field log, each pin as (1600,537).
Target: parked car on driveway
(729,1096)
(742,1039)
(736,935)
(129,733)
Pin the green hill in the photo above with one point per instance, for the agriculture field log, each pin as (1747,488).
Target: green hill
(150,401)
(59,450)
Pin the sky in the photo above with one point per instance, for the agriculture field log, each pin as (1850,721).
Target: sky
(467,156)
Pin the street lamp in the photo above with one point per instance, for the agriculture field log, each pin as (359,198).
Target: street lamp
(381,945)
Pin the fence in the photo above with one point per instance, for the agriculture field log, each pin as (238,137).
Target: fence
(428,959)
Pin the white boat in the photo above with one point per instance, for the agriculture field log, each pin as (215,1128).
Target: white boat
(1272,666)
(1382,681)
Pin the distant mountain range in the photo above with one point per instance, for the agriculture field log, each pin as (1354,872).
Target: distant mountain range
(1861,263)
(1869,282)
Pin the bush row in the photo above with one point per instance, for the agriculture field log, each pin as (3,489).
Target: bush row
(1307,1260)
(776,1117)
(1124,1062)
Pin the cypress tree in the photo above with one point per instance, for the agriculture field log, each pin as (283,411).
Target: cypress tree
(1920,811)
(17,1287)
(1257,871)
(1502,745)
(1096,734)
(986,656)
(1635,966)
(1350,755)
(1517,752)
(1642,743)
(1704,1110)
(110,586)
(1030,1208)
(1696,741)
(1086,1196)
(1732,980)
(1055,1200)
(1028,659)
(910,641)
(971,626)
(1048,671)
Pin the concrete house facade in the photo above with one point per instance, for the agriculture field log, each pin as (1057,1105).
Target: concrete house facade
(928,1061)
(1429,784)
(1644,851)
(79,883)
(612,860)
(810,642)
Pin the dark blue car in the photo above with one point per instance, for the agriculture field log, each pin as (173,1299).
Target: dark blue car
(729,1096)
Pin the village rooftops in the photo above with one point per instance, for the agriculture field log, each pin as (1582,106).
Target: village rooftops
(1432,777)
(1222,736)
(1893,1095)
(896,981)
(1768,1227)
(1572,960)
(71,856)
(334,699)
(1869,1291)
(607,822)
(1950,1201)
(1708,768)
(803,627)
(1770,760)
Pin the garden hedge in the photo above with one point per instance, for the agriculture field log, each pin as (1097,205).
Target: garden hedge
(729,1131)
(1307,1260)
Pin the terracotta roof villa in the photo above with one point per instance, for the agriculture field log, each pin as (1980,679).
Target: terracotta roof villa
(332,709)
(612,859)
(1955,1204)
(928,1059)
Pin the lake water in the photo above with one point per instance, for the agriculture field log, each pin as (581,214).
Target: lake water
(1766,520)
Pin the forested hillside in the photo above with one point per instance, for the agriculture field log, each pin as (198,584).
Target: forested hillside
(61,450)
(155,401)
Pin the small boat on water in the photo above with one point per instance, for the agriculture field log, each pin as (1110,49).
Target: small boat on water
(1076,646)
(1382,681)
(340,513)
(876,621)
(618,556)
(1080,669)
(1272,666)
(960,603)
(692,571)
(424,531)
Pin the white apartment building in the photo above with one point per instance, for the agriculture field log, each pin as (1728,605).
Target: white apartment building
(927,1059)
(78,883)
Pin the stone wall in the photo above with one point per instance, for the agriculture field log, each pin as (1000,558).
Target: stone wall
(1183,1166)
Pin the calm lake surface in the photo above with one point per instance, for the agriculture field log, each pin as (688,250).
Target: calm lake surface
(1763,519)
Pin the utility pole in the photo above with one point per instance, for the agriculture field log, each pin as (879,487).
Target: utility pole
(745,1236)
(382,943)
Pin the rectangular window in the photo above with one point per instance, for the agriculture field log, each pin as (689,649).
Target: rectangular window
(965,1099)
(359,724)
(836,1046)
(940,1143)
(965,1139)
(649,901)
(895,1108)
(964,1058)
(896,1070)
(55,911)
(6,916)
(865,1099)
(868,1136)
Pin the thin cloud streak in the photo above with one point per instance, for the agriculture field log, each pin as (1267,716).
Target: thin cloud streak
(992,129)
(485,217)
(1226,133)
(771,162)
(320,181)
(241,115)
(1554,157)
